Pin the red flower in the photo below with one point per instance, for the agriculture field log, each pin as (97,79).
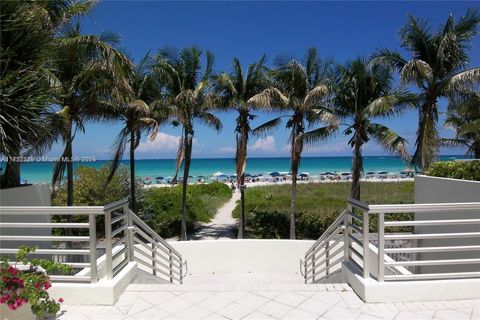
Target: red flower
(60,300)
(47,285)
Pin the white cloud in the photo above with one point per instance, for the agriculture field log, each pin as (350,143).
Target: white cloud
(163,142)
(266,144)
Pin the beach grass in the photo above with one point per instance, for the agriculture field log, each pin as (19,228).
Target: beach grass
(318,204)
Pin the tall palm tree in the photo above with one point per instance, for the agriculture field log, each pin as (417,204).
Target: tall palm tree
(88,73)
(463,116)
(300,90)
(234,90)
(362,94)
(186,101)
(437,66)
(27,36)
(135,114)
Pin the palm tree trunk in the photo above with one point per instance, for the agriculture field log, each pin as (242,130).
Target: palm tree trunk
(241,222)
(186,169)
(133,203)
(69,154)
(476,150)
(356,168)
(11,177)
(293,200)
(427,137)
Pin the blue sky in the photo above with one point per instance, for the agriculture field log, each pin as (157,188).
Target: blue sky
(246,30)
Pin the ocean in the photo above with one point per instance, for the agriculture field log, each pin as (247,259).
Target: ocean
(36,172)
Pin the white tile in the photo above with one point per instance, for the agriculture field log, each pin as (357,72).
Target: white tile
(450,314)
(275,309)
(327,297)
(195,296)
(257,316)
(214,302)
(232,295)
(268,294)
(299,314)
(175,305)
(290,298)
(339,313)
(384,315)
(157,298)
(149,314)
(235,311)
(314,306)
(418,314)
(252,300)
(193,312)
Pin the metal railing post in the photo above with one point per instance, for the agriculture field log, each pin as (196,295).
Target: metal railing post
(366,243)
(381,246)
(108,245)
(327,258)
(126,211)
(170,259)
(346,233)
(154,264)
(313,266)
(305,270)
(181,270)
(92,233)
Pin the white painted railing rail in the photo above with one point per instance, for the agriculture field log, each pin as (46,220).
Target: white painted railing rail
(325,256)
(123,231)
(358,225)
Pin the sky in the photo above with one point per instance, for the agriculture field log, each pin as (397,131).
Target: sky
(246,30)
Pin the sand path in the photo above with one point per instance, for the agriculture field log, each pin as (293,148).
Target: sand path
(222,225)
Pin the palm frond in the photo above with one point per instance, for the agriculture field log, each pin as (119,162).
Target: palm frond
(388,58)
(416,71)
(267,127)
(119,149)
(269,98)
(313,137)
(315,96)
(209,120)
(389,140)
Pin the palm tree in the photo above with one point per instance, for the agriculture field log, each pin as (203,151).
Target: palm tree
(27,36)
(361,94)
(464,117)
(135,114)
(437,67)
(88,73)
(301,89)
(186,101)
(234,91)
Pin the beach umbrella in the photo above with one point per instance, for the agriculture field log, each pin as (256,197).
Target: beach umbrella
(159,178)
(218,173)
(275,174)
(304,174)
(248,175)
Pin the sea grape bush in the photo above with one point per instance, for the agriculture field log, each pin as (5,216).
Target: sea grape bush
(26,281)
(466,170)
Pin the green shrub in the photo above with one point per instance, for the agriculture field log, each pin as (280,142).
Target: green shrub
(465,170)
(318,204)
(89,190)
(161,208)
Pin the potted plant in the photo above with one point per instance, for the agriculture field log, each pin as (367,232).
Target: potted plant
(24,287)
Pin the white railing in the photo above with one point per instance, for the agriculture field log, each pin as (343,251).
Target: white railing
(324,258)
(358,248)
(124,231)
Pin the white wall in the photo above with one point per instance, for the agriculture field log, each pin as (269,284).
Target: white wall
(32,195)
(444,190)
(243,256)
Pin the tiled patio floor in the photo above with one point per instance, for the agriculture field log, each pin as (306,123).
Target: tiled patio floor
(331,301)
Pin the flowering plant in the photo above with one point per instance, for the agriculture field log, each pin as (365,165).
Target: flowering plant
(26,281)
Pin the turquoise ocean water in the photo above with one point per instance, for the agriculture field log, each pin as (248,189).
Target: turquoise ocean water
(35,172)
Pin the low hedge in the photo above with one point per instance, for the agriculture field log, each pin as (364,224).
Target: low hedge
(161,208)
(318,204)
(465,170)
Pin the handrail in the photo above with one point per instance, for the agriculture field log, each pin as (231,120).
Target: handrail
(327,232)
(174,264)
(414,207)
(312,267)
(119,242)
